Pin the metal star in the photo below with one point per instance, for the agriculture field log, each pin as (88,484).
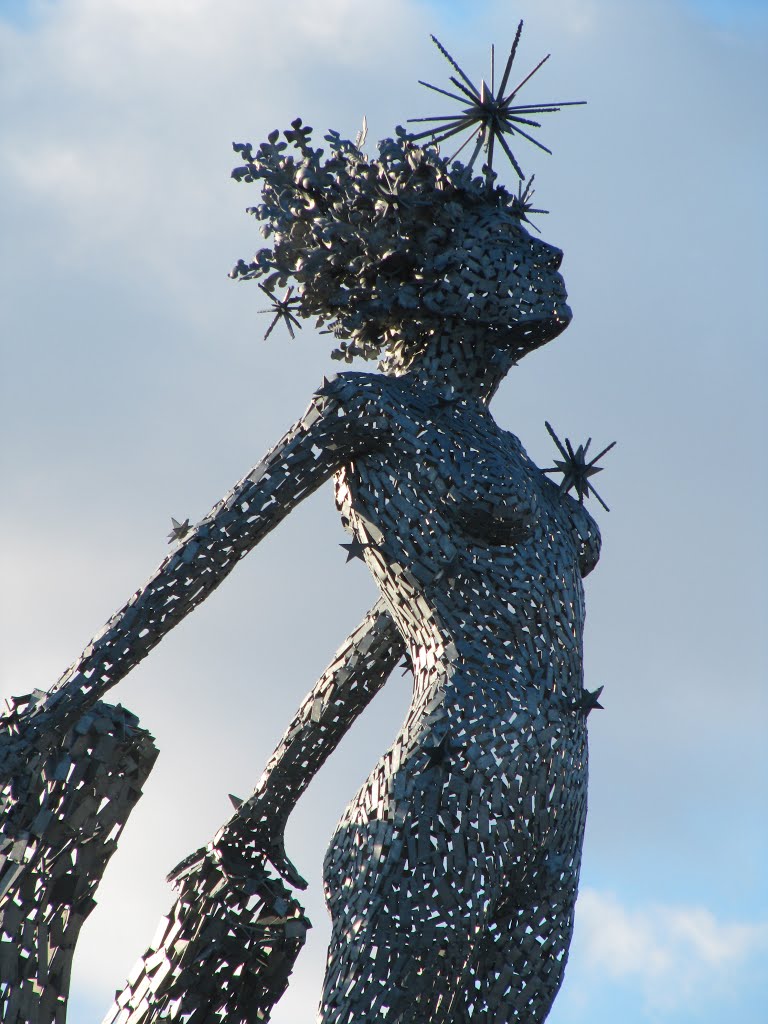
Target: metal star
(355,549)
(283,310)
(575,468)
(522,203)
(588,701)
(439,753)
(445,398)
(390,196)
(490,115)
(179,530)
(327,387)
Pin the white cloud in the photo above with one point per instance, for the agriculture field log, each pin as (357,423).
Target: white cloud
(673,954)
(108,100)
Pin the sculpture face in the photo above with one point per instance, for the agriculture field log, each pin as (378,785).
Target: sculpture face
(387,252)
(496,275)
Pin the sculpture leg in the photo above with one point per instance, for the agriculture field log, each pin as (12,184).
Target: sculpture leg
(442,910)
(434,945)
(409,897)
(394,952)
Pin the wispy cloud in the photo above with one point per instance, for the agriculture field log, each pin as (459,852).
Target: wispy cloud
(672,954)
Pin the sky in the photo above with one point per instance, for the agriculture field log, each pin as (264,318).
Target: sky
(136,386)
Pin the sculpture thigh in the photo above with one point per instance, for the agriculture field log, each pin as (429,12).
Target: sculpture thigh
(442,905)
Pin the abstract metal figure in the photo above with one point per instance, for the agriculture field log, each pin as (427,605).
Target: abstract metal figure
(452,876)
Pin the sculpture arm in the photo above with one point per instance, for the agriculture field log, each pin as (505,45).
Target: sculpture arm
(329,434)
(357,672)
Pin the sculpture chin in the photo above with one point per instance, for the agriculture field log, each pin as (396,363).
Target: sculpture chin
(555,320)
(531,332)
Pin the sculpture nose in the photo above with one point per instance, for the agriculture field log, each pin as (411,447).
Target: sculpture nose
(552,257)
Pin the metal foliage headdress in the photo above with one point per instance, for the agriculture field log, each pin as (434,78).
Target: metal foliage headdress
(360,243)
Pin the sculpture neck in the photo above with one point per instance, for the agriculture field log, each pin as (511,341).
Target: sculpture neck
(466,361)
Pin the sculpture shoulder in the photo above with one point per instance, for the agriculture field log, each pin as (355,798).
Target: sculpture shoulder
(357,388)
(368,403)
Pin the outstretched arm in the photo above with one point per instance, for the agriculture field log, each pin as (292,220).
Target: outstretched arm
(328,435)
(357,672)
(251,920)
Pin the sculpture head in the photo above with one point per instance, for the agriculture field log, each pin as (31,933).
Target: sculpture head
(388,252)
(400,253)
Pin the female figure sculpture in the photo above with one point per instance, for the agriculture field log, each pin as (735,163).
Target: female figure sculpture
(452,876)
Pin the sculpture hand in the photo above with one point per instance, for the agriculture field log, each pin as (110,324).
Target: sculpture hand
(186,866)
(243,840)
(234,859)
(283,865)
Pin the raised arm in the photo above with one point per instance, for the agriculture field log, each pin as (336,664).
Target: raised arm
(357,672)
(331,432)
(251,920)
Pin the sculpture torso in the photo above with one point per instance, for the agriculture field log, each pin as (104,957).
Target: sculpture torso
(480,559)
(478,554)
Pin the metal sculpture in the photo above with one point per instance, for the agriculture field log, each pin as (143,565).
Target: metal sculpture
(63,806)
(452,876)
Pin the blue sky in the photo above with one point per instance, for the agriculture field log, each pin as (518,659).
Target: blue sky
(29,13)
(728,13)
(21,13)
(136,387)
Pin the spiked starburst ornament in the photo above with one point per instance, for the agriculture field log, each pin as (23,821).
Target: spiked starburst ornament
(490,115)
(283,309)
(575,468)
(178,530)
(522,203)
